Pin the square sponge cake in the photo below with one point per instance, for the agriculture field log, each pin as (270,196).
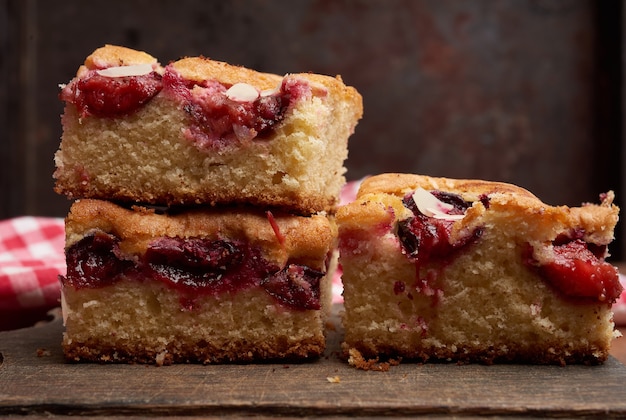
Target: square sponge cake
(201,285)
(202,131)
(438,269)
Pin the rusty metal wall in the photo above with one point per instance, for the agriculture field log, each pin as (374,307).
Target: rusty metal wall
(497,89)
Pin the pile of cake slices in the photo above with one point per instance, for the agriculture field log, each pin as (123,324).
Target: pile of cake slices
(202,226)
(205,228)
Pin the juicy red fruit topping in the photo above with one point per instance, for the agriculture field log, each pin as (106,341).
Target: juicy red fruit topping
(577,272)
(223,266)
(193,266)
(295,285)
(424,238)
(110,97)
(93,261)
(399,287)
(218,121)
(193,263)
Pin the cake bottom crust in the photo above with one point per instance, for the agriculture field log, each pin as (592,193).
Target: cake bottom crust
(146,322)
(363,353)
(241,352)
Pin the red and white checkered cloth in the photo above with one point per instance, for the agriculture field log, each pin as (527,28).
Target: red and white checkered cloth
(32,257)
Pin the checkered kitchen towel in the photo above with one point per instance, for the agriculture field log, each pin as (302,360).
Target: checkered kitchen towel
(31,259)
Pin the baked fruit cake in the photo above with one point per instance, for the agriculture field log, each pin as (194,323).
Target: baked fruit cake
(202,285)
(202,131)
(473,271)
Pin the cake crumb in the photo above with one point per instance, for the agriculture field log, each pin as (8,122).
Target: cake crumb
(357,360)
(333,379)
(160,358)
(43,352)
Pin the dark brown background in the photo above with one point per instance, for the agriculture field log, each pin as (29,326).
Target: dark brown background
(522,91)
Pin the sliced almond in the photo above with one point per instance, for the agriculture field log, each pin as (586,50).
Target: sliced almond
(431,206)
(242,92)
(126,71)
(427,203)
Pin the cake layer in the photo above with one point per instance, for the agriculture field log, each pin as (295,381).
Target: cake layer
(201,285)
(199,131)
(474,271)
(143,322)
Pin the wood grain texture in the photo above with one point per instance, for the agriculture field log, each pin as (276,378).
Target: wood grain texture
(35,380)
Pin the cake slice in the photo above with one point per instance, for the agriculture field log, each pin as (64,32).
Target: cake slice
(203,285)
(203,131)
(438,269)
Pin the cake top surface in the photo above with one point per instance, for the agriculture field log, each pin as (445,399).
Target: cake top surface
(539,220)
(470,189)
(281,236)
(113,55)
(200,69)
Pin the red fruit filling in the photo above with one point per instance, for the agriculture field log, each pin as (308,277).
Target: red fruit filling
(110,97)
(399,287)
(578,270)
(295,286)
(424,238)
(279,236)
(218,121)
(193,266)
(350,240)
(100,266)
(198,264)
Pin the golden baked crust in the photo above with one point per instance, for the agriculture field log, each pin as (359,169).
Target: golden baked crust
(304,239)
(470,189)
(481,301)
(113,55)
(597,221)
(200,69)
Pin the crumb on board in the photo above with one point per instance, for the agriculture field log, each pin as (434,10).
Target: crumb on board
(160,358)
(357,360)
(333,379)
(41,352)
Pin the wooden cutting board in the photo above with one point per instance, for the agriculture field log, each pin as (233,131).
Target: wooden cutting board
(36,381)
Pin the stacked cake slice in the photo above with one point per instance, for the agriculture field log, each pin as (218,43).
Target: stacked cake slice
(202,228)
